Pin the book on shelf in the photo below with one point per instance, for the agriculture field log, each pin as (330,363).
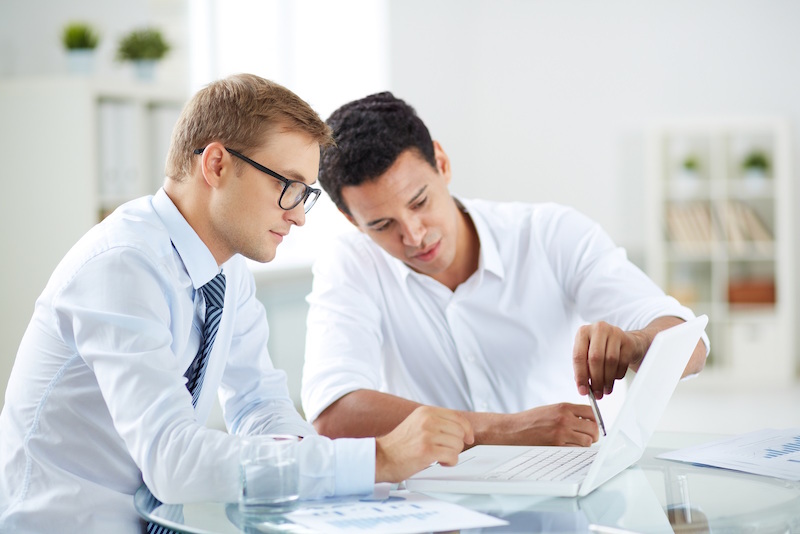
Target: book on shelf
(693,227)
(745,231)
(690,227)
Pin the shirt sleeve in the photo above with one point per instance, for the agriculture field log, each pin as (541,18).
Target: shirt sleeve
(116,312)
(336,467)
(343,335)
(597,276)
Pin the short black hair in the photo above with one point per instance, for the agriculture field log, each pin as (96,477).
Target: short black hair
(370,134)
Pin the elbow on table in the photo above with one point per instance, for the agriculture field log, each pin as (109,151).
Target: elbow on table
(325,424)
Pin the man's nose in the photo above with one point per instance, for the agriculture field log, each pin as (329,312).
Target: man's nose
(413,231)
(297,215)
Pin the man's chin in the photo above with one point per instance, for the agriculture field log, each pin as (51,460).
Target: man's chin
(264,256)
(422,268)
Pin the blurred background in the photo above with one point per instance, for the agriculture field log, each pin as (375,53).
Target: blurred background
(672,123)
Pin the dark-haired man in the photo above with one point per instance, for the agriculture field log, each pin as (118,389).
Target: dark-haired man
(472,305)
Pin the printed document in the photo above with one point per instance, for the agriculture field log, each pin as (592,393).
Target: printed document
(402,512)
(770,452)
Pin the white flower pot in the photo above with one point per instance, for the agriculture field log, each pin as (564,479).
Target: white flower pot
(145,69)
(80,61)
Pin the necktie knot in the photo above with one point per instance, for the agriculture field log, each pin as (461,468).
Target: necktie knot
(214,291)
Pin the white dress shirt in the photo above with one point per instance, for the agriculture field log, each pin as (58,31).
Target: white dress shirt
(97,401)
(501,342)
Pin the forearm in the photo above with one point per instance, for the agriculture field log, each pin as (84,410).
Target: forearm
(696,362)
(560,424)
(363,413)
(366,413)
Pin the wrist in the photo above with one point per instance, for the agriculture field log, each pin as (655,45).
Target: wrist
(382,468)
(641,342)
(487,427)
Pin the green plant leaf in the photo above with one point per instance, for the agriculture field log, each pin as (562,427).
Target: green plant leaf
(79,35)
(756,160)
(145,43)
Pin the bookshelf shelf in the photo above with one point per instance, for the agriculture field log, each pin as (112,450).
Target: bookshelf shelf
(721,238)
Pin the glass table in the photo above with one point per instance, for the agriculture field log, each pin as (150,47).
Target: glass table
(653,496)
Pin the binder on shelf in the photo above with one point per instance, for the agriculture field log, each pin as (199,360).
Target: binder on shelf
(118,142)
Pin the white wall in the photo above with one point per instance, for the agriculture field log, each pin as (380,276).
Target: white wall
(550,99)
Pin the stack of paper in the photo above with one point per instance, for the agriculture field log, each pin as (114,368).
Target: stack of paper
(770,452)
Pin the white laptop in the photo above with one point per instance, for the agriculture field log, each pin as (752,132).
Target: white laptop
(571,471)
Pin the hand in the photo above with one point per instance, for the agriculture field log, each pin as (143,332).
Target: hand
(427,435)
(603,353)
(556,424)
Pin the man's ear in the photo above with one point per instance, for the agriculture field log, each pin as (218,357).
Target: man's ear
(214,162)
(442,162)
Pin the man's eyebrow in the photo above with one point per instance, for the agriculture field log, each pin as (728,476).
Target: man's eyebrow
(419,194)
(297,176)
(376,222)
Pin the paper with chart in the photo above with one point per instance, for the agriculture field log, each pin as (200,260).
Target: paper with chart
(770,452)
(403,512)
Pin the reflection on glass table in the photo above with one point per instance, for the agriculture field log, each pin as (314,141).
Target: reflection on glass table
(653,496)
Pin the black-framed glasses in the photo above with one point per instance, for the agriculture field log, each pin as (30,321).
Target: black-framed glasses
(294,191)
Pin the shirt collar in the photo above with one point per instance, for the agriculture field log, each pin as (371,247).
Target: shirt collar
(489,259)
(198,260)
(489,255)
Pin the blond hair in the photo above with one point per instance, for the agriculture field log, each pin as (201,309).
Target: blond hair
(238,111)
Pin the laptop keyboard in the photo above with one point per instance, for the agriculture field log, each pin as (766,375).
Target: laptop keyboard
(544,464)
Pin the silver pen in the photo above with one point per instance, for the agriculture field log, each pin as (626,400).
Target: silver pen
(596,411)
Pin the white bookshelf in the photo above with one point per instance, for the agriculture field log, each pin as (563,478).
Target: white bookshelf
(54,148)
(721,240)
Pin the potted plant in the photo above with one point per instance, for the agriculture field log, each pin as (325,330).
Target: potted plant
(144,47)
(755,168)
(756,161)
(691,165)
(80,39)
(686,179)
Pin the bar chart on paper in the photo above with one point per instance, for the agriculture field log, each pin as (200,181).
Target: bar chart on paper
(791,447)
(411,512)
(770,452)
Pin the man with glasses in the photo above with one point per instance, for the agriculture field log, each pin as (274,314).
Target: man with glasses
(472,305)
(294,191)
(154,311)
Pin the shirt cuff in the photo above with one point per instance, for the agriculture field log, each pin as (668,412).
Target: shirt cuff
(355,466)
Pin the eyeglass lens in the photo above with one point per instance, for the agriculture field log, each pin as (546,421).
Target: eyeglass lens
(295,193)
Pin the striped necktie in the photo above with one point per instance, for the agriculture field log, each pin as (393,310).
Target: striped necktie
(214,294)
